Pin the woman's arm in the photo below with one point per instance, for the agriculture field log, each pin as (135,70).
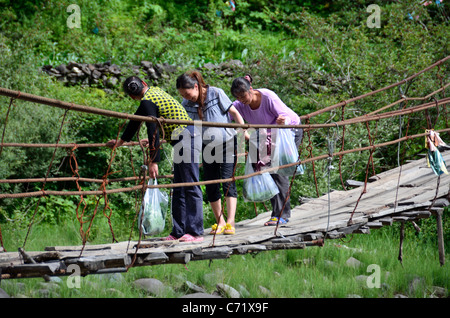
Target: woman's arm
(282,113)
(238,118)
(236,115)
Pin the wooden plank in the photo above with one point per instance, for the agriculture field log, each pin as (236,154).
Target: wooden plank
(417,214)
(95,263)
(155,243)
(286,246)
(362,230)
(385,220)
(10,258)
(31,270)
(351,228)
(398,209)
(213,253)
(78,248)
(417,164)
(374,225)
(14,258)
(251,248)
(179,258)
(354,184)
(442,202)
(313,236)
(155,258)
(401,218)
(334,234)
(435,210)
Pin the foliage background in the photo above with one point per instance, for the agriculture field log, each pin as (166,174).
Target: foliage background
(311,53)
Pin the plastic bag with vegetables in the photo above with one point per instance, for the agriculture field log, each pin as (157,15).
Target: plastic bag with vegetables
(153,210)
(258,188)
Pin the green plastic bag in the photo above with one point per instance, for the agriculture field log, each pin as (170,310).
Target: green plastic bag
(152,216)
(436,162)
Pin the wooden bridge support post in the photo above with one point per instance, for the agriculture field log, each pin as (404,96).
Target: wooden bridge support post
(440,235)
(402,236)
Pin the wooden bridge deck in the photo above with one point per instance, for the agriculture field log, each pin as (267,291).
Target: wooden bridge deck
(308,225)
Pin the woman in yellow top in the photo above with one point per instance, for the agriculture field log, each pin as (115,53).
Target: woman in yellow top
(187,202)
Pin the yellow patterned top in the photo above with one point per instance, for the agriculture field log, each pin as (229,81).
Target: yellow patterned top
(169,108)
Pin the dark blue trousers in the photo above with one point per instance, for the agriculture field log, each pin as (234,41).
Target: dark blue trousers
(187,202)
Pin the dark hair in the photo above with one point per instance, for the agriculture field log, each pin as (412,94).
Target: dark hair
(188,80)
(133,85)
(240,85)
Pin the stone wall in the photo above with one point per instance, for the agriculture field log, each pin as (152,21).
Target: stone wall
(110,76)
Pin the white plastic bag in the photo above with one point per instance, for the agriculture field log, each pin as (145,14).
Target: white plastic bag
(152,215)
(259,188)
(286,152)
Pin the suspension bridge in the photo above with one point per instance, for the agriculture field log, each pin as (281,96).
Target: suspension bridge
(404,194)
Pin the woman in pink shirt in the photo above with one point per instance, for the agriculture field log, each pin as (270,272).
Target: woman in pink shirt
(263,106)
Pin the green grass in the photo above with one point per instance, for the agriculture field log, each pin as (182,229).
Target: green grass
(315,272)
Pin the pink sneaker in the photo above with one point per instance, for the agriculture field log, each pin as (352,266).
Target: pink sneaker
(190,238)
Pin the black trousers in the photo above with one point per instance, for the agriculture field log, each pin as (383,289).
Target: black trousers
(222,168)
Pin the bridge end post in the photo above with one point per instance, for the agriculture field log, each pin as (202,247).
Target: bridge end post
(440,234)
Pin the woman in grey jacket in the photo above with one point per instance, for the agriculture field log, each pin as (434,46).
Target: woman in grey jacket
(208,103)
